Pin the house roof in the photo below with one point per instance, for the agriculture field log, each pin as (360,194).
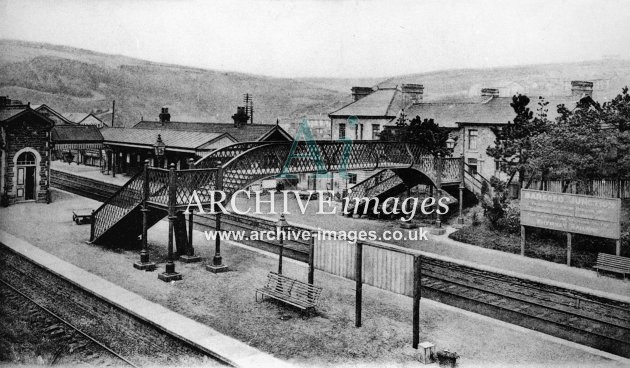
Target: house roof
(171,138)
(491,111)
(76,133)
(52,111)
(8,113)
(245,133)
(75,117)
(379,104)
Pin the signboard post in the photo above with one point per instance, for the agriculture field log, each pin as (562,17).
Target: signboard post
(572,214)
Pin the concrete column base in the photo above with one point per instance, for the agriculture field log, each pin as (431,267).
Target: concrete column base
(167,277)
(437,231)
(190,259)
(217,269)
(408,224)
(144,266)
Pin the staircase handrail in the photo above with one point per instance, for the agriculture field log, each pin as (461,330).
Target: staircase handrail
(116,193)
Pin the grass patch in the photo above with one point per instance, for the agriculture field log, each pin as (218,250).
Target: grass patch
(541,243)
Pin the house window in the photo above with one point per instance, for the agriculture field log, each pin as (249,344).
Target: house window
(342,131)
(472,164)
(361,130)
(473,134)
(376,129)
(352,178)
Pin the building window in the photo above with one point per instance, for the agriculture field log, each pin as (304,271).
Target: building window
(473,134)
(497,165)
(352,178)
(376,129)
(26,158)
(472,164)
(342,131)
(361,130)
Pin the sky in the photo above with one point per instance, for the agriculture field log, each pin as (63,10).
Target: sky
(326,38)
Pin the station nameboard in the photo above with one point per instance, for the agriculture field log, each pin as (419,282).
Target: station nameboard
(571,213)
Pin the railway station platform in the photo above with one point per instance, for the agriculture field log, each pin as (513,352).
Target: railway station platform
(441,245)
(226,303)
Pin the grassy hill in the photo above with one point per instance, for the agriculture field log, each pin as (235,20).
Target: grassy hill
(70,79)
(608,76)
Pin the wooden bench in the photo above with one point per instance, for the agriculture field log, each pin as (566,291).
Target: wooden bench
(290,291)
(612,263)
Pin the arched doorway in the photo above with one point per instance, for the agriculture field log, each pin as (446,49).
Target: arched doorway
(26,179)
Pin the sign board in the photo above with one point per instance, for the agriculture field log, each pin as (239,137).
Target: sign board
(572,213)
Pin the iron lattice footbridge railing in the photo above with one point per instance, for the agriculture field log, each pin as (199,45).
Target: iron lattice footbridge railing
(276,159)
(239,165)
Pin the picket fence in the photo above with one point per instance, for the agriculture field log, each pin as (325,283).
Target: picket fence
(599,188)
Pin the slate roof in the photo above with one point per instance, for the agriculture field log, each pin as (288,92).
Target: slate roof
(246,133)
(41,107)
(6,114)
(76,133)
(147,137)
(492,111)
(9,112)
(75,117)
(380,103)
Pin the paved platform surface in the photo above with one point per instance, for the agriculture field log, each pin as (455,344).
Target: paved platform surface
(225,348)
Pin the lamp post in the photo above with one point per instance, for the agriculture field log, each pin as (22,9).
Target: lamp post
(281,224)
(159,148)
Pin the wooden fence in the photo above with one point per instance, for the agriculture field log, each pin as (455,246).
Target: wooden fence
(385,267)
(599,188)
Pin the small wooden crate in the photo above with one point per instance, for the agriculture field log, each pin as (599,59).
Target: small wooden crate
(82,216)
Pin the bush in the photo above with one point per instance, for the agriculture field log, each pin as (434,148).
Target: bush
(510,222)
(497,209)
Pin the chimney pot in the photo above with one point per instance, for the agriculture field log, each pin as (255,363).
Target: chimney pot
(360,92)
(581,88)
(165,117)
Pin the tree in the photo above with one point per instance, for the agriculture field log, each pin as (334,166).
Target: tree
(424,132)
(590,141)
(513,143)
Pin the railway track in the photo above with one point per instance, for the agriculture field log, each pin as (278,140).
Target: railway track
(70,342)
(82,186)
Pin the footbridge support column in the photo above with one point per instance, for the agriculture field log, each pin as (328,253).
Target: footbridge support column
(217,265)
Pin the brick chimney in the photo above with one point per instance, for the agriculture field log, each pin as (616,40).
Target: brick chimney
(360,92)
(165,117)
(581,88)
(489,92)
(412,93)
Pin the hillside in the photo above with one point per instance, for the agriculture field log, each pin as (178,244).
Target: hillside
(70,79)
(608,76)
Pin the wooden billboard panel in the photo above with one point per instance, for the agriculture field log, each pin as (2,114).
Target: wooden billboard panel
(571,213)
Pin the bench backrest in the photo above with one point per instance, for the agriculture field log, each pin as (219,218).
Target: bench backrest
(611,260)
(294,288)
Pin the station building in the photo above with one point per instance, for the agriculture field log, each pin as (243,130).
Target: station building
(25,152)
